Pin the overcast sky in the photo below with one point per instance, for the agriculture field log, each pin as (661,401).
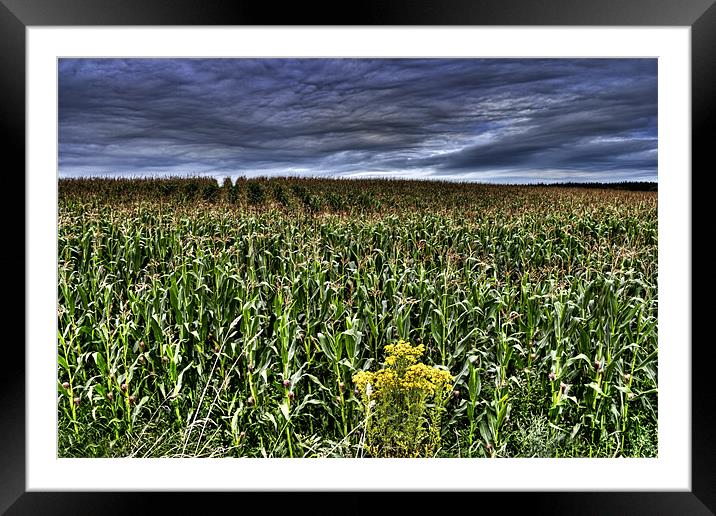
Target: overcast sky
(488,120)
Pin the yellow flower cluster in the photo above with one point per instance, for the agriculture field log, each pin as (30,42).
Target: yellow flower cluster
(362,379)
(425,378)
(380,381)
(415,376)
(399,422)
(403,352)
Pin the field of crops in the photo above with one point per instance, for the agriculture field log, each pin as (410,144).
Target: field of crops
(205,320)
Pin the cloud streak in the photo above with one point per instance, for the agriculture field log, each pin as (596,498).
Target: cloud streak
(497,120)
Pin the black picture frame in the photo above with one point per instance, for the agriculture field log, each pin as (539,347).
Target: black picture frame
(17,15)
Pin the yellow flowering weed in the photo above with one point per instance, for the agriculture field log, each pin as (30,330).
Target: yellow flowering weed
(399,420)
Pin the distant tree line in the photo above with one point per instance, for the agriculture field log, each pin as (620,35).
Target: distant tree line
(633,186)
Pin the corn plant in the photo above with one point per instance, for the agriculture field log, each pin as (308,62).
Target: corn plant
(195,320)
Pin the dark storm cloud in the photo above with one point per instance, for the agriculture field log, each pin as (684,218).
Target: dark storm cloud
(489,120)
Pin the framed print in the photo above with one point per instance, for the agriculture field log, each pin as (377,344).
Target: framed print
(413,250)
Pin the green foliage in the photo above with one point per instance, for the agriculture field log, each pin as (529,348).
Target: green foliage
(256,193)
(224,328)
(281,195)
(210,192)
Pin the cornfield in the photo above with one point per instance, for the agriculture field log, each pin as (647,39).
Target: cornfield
(205,320)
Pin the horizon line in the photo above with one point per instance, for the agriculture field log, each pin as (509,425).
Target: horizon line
(209,175)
